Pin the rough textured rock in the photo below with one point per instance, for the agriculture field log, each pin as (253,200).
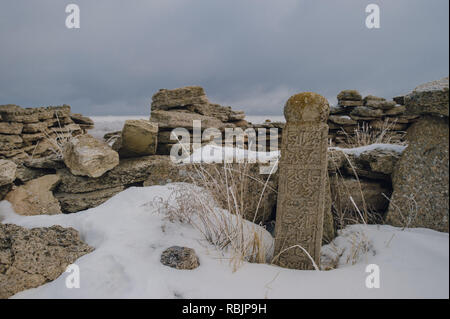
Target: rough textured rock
(32,257)
(383,105)
(421,177)
(36,197)
(166,99)
(349,95)
(396,110)
(87,156)
(363,111)
(342,120)
(7,172)
(48,162)
(139,138)
(175,119)
(11,128)
(182,258)
(429,98)
(376,164)
(72,203)
(368,195)
(129,171)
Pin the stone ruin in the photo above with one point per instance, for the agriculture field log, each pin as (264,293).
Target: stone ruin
(371,113)
(32,132)
(37,182)
(178,108)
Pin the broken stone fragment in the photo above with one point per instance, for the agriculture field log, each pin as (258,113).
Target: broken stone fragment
(35,197)
(139,138)
(87,156)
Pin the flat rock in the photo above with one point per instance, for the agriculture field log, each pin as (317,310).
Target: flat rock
(35,197)
(342,120)
(175,119)
(72,203)
(166,99)
(11,128)
(129,171)
(367,112)
(429,98)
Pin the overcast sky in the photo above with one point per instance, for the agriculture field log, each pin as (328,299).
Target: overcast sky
(250,54)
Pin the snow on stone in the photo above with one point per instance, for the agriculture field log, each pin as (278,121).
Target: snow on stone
(357,151)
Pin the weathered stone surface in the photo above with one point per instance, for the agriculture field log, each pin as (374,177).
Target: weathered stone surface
(166,99)
(182,258)
(367,195)
(25,174)
(139,138)
(35,127)
(421,177)
(342,120)
(348,104)
(10,139)
(367,112)
(349,95)
(174,119)
(375,164)
(302,181)
(388,125)
(369,98)
(36,197)
(80,119)
(336,160)
(32,257)
(72,203)
(383,105)
(11,128)
(334,110)
(429,98)
(380,161)
(87,156)
(129,171)
(7,172)
(397,110)
(48,162)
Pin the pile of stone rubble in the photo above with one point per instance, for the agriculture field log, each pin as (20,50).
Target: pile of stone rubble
(34,132)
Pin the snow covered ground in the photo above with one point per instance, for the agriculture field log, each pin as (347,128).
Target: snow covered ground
(129,235)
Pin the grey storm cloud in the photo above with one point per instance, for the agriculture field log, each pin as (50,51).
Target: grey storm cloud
(251,54)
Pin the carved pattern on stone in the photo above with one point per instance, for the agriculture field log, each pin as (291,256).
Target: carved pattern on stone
(302,182)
